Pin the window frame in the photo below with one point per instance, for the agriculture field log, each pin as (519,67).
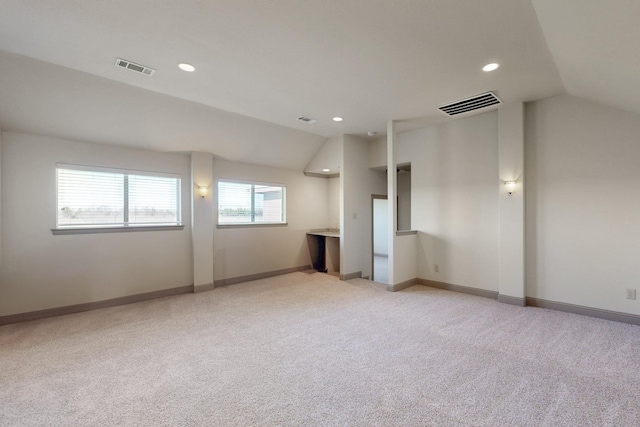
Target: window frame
(126,226)
(253,224)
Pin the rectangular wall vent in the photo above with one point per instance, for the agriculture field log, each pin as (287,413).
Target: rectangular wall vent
(469,104)
(306,119)
(147,71)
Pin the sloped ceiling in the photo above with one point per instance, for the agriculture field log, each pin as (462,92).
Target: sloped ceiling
(46,99)
(261,64)
(596,47)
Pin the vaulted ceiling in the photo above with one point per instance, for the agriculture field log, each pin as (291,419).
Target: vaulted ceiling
(261,64)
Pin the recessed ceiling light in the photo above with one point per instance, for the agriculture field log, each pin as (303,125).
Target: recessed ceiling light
(372,133)
(491,67)
(337,119)
(187,67)
(326,170)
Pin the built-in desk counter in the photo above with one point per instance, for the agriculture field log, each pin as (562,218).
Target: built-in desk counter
(325,233)
(324,248)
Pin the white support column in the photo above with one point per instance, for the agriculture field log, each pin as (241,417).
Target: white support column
(202,220)
(512,231)
(0,207)
(392,198)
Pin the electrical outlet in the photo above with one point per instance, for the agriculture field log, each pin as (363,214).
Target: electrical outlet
(631,294)
(436,268)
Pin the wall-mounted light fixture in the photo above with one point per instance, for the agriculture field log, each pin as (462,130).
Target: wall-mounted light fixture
(511,185)
(203,190)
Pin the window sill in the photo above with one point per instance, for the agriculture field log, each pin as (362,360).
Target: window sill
(253,225)
(96,230)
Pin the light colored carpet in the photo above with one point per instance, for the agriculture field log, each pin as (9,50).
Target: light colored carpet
(308,350)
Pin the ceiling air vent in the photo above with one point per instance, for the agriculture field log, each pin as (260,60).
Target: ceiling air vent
(307,119)
(135,67)
(470,104)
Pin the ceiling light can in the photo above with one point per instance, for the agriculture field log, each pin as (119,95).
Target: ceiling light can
(490,67)
(337,119)
(186,67)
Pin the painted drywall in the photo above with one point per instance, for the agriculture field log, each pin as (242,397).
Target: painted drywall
(405,258)
(252,250)
(392,197)
(329,156)
(454,168)
(65,103)
(0,206)
(358,183)
(333,203)
(202,218)
(404,200)
(378,153)
(582,203)
(511,168)
(40,270)
(380,227)
(402,248)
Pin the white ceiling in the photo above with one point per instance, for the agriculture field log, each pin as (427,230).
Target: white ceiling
(45,99)
(270,61)
(596,46)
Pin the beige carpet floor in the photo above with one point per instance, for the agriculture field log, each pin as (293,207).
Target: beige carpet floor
(308,350)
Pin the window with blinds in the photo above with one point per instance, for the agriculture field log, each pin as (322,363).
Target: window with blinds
(100,197)
(251,203)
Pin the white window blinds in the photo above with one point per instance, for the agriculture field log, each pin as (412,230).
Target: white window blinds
(100,197)
(248,203)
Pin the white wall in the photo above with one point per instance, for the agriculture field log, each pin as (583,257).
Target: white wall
(405,258)
(582,203)
(455,199)
(202,219)
(251,250)
(404,200)
(358,183)
(0,209)
(329,156)
(333,203)
(378,153)
(40,270)
(511,168)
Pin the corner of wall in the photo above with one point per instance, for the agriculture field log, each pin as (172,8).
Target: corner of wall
(328,156)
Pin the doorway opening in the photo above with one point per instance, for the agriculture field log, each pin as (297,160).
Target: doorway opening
(380,235)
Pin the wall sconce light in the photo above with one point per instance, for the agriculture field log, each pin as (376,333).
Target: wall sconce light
(511,185)
(203,190)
